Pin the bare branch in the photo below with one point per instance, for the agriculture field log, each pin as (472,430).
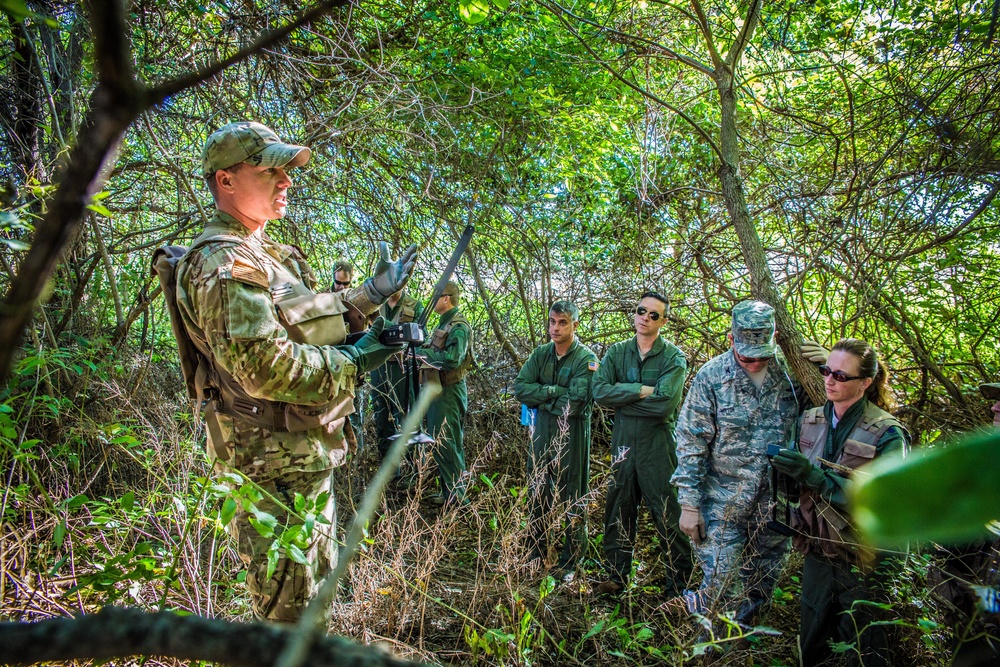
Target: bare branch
(117,633)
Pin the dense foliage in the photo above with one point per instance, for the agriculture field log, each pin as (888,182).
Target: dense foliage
(588,143)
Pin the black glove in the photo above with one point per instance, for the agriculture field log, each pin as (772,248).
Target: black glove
(390,277)
(369,353)
(798,467)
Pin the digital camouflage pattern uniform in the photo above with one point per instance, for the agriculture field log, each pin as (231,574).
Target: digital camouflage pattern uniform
(643,454)
(389,387)
(559,461)
(723,432)
(449,351)
(224,294)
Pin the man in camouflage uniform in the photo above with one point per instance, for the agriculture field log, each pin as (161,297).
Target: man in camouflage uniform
(279,385)
(642,380)
(447,356)
(390,387)
(739,403)
(557,380)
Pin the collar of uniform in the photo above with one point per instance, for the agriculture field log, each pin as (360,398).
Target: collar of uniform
(224,221)
(273,248)
(658,346)
(572,346)
(446,318)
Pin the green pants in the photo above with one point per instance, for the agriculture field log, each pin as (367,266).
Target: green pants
(830,587)
(444,424)
(643,473)
(559,472)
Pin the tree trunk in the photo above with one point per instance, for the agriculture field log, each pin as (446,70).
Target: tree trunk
(762,285)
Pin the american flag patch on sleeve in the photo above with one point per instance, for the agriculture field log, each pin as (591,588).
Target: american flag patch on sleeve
(593,365)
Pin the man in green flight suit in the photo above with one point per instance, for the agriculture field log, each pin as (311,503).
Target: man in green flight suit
(642,379)
(448,357)
(276,378)
(390,389)
(557,380)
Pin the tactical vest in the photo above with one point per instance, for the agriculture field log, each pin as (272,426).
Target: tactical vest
(438,341)
(308,317)
(823,528)
(406,311)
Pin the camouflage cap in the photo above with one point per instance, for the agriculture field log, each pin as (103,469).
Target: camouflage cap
(251,142)
(753,329)
(990,391)
(453,290)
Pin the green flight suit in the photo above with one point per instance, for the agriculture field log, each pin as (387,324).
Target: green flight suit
(643,454)
(559,462)
(449,350)
(389,389)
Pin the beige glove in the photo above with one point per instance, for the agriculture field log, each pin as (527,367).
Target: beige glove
(814,352)
(692,523)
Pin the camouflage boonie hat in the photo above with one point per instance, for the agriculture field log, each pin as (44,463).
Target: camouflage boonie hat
(753,329)
(452,289)
(249,142)
(990,391)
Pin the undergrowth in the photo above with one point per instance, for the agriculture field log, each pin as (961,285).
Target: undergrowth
(108,499)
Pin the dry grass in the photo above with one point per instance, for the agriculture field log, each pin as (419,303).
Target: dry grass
(441,586)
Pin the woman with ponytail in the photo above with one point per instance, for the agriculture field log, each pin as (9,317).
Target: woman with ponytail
(853,428)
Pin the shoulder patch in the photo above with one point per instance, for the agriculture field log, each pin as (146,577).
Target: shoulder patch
(245,272)
(593,365)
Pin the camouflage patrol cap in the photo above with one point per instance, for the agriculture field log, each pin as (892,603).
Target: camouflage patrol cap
(453,290)
(990,391)
(251,142)
(753,329)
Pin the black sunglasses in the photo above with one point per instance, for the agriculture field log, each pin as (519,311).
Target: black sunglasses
(839,376)
(642,310)
(341,283)
(751,360)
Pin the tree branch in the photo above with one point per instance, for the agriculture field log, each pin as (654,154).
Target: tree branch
(115,632)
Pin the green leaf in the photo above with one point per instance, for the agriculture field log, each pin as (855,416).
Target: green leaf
(473,11)
(296,555)
(228,511)
(128,501)
(59,534)
(18,10)
(15,244)
(100,209)
(77,501)
(947,495)
(264,523)
(272,559)
(502,5)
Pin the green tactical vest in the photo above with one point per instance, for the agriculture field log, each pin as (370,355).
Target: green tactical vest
(438,341)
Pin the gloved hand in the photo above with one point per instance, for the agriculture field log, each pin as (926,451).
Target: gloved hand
(814,352)
(390,277)
(798,467)
(369,353)
(692,523)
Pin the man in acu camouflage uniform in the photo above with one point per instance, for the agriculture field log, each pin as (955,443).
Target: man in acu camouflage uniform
(739,403)
(278,381)
(448,356)
(557,380)
(642,379)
